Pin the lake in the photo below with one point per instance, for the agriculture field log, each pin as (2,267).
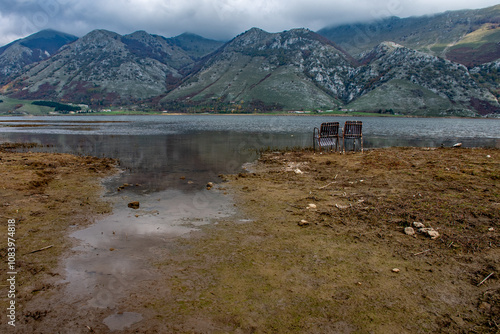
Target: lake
(156,150)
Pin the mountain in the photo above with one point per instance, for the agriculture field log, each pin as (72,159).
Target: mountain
(104,68)
(196,46)
(446,64)
(34,48)
(413,82)
(301,69)
(468,37)
(268,71)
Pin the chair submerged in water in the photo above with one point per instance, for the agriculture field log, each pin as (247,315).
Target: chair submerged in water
(353,131)
(327,135)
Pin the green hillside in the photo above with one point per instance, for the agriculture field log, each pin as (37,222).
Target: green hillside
(446,35)
(402,97)
(11,106)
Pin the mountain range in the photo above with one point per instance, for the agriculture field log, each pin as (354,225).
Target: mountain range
(446,64)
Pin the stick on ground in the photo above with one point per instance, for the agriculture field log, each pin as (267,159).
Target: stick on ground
(484,280)
(41,249)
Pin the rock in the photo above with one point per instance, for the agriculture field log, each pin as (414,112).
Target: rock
(409,230)
(298,171)
(418,225)
(123,186)
(312,206)
(430,232)
(133,205)
(396,270)
(210,185)
(433,234)
(458,145)
(491,229)
(304,223)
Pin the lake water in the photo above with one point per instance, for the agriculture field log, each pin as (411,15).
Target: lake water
(158,149)
(168,160)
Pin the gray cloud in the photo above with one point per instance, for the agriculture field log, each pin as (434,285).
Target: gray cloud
(219,19)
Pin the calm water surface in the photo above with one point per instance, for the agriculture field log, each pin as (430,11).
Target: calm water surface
(158,149)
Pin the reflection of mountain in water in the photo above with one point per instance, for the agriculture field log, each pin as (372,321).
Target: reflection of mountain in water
(186,152)
(160,162)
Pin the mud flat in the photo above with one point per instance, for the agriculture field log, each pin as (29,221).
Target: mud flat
(47,195)
(324,245)
(400,240)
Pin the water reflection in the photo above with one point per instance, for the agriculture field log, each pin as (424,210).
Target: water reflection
(159,162)
(158,151)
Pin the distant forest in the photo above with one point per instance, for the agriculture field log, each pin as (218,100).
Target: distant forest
(57,106)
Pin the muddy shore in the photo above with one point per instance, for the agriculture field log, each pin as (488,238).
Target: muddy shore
(321,243)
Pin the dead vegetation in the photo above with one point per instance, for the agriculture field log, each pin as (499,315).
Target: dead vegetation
(45,194)
(326,250)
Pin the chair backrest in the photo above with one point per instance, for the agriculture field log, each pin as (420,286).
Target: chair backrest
(330,129)
(352,129)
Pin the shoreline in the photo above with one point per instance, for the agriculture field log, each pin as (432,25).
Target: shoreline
(47,195)
(359,114)
(313,248)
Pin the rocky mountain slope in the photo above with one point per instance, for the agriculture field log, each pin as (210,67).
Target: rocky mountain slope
(300,68)
(105,68)
(399,78)
(267,70)
(15,56)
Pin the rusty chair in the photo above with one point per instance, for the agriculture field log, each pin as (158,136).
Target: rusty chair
(327,135)
(352,133)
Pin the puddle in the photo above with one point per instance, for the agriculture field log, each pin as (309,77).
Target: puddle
(120,321)
(114,254)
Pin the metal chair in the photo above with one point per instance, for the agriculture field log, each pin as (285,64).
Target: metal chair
(326,135)
(353,131)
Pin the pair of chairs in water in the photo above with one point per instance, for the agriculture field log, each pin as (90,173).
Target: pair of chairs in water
(328,135)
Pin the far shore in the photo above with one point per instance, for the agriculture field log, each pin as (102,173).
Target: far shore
(312,114)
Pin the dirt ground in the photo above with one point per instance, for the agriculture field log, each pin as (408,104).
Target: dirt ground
(321,244)
(47,195)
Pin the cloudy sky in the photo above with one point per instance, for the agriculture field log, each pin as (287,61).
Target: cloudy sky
(217,19)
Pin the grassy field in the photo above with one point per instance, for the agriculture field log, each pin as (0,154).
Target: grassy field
(11,106)
(480,37)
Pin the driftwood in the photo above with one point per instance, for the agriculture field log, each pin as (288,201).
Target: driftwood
(41,249)
(484,280)
(425,251)
(294,206)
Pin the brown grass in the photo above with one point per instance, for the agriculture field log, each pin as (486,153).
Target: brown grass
(45,194)
(335,275)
